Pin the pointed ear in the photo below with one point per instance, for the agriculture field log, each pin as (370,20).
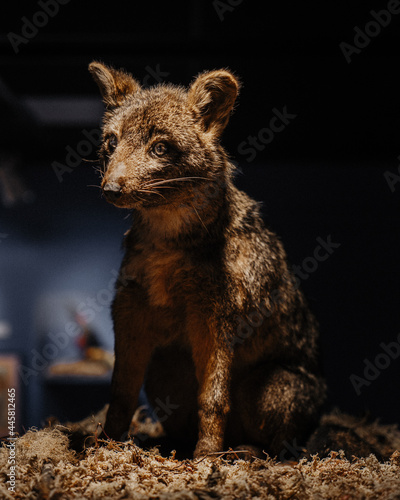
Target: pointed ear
(115,85)
(213,95)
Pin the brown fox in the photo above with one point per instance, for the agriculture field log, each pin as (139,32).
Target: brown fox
(206,313)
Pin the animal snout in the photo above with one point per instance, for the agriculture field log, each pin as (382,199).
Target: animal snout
(112,191)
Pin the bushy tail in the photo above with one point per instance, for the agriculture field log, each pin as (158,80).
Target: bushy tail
(355,436)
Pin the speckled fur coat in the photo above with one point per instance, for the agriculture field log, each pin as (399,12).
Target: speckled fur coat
(206,312)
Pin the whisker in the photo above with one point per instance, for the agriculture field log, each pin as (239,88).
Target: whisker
(99,170)
(93,186)
(141,190)
(139,197)
(89,161)
(165,181)
(157,179)
(200,219)
(151,192)
(158,183)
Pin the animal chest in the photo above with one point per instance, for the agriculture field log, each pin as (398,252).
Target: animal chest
(161,272)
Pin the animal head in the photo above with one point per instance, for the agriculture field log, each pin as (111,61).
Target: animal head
(161,143)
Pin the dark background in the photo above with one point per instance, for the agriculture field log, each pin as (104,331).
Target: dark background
(324,174)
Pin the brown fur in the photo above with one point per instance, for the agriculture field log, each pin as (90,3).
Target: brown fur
(206,312)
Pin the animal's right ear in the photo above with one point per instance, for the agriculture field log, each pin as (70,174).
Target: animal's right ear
(115,85)
(213,96)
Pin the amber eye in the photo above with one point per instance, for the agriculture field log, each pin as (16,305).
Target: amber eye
(112,143)
(160,148)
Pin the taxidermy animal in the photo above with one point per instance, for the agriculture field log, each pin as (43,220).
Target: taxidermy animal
(207,314)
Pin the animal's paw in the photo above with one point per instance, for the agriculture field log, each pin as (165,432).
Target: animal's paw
(206,447)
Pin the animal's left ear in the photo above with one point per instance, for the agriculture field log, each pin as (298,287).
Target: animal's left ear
(213,95)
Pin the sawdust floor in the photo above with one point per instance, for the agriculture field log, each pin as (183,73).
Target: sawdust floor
(46,468)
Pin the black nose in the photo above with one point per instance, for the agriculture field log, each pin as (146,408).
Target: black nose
(112,191)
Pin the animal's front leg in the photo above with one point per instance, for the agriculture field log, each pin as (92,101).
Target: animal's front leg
(133,350)
(213,362)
